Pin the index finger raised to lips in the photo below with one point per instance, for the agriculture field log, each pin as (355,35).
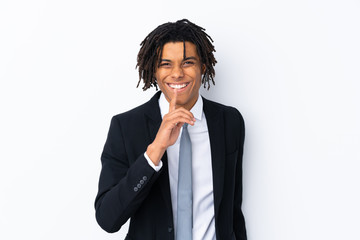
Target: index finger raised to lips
(172,105)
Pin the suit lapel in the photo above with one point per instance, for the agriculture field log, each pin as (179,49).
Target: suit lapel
(215,122)
(153,121)
(153,116)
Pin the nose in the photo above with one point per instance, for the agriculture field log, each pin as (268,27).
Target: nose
(177,72)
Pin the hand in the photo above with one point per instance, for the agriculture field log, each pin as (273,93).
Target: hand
(169,130)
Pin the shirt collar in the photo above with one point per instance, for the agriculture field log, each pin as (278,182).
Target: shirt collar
(196,110)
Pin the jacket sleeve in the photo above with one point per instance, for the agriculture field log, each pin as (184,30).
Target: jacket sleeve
(239,221)
(124,183)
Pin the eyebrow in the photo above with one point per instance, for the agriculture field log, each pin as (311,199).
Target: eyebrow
(188,58)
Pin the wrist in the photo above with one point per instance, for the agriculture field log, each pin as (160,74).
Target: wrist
(155,153)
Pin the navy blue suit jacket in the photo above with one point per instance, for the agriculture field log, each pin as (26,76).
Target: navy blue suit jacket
(130,188)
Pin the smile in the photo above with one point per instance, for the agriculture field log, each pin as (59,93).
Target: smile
(177,86)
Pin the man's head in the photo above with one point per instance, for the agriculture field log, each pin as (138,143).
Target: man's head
(151,51)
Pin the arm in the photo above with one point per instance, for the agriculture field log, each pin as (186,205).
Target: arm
(119,195)
(239,222)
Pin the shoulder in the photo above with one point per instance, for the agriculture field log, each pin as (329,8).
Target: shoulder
(230,113)
(136,114)
(227,118)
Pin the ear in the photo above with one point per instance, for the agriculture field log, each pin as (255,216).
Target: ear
(203,69)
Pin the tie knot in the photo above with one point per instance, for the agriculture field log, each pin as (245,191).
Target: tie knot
(185,125)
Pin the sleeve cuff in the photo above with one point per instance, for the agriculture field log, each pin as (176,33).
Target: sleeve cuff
(156,168)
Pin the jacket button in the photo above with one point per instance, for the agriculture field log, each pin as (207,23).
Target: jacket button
(170,229)
(139,185)
(144,178)
(141,181)
(135,189)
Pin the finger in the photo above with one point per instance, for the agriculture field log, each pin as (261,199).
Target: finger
(175,114)
(181,111)
(172,105)
(178,120)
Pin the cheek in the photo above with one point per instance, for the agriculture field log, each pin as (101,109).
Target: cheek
(161,75)
(161,86)
(158,78)
(197,85)
(198,76)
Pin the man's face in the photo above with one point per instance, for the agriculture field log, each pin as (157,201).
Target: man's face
(176,73)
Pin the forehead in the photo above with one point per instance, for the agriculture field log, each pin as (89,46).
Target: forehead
(176,50)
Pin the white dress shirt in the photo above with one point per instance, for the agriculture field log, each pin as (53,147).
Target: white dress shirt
(202,181)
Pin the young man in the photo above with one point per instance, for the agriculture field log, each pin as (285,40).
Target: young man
(174,164)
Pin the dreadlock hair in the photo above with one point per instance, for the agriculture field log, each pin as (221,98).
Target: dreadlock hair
(149,56)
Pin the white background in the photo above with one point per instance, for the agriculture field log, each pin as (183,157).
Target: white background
(290,67)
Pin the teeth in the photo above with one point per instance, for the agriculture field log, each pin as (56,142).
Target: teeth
(178,86)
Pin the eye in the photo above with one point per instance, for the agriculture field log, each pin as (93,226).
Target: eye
(187,63)
(164,64)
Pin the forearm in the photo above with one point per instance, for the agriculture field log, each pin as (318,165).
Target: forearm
(115,204)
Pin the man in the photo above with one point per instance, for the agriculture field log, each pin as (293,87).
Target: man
(174,164)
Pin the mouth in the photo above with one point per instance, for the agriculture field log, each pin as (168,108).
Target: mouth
(178,86)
